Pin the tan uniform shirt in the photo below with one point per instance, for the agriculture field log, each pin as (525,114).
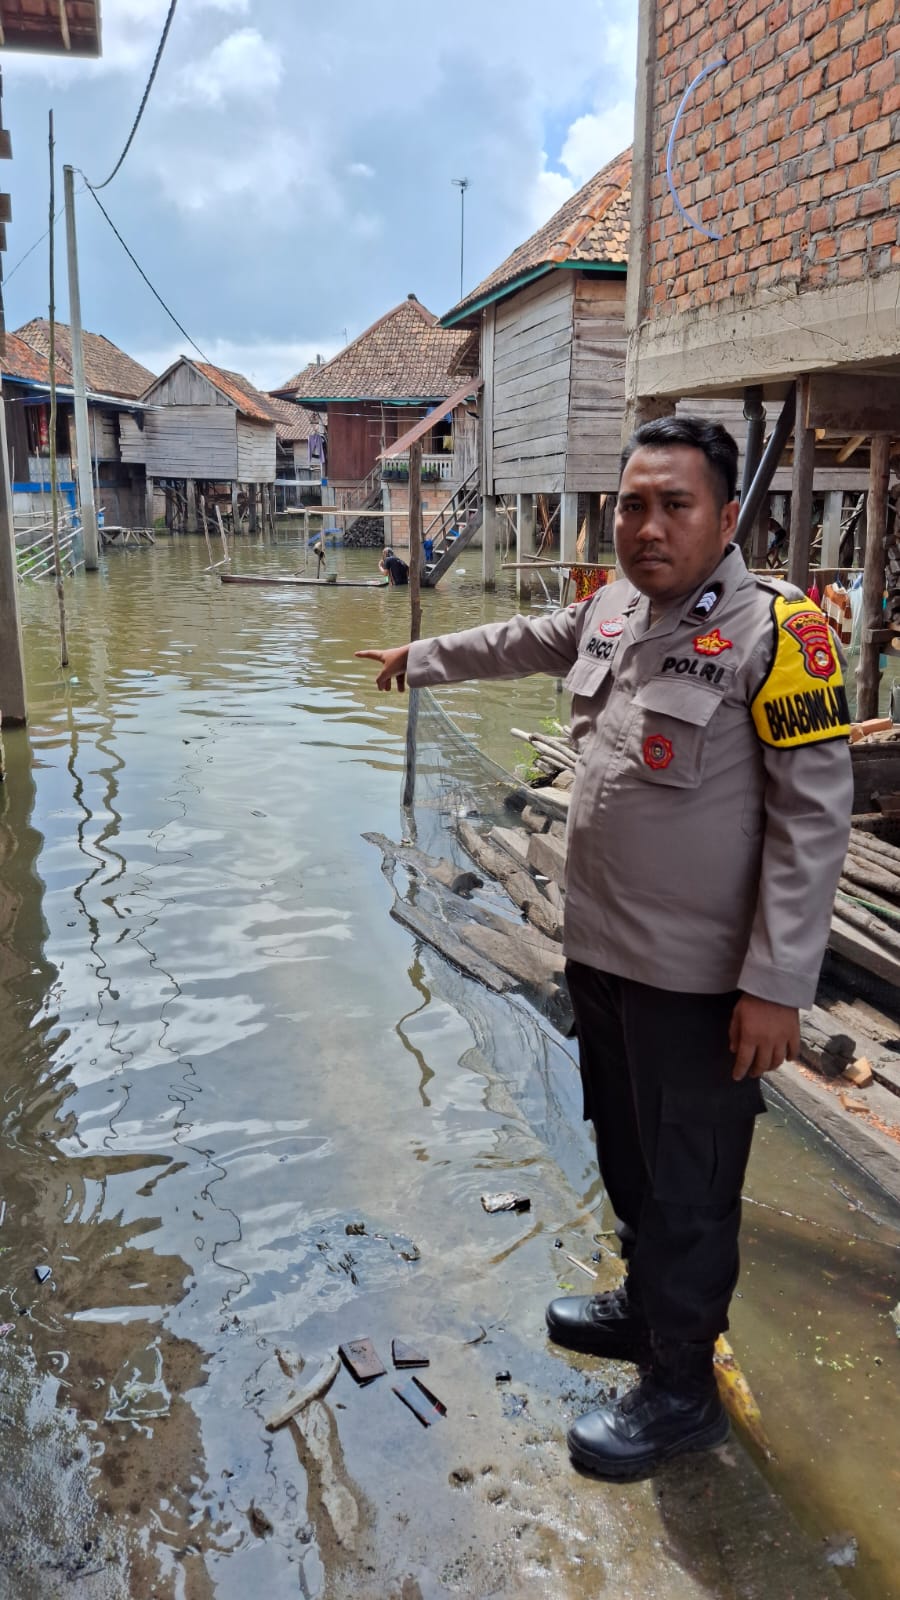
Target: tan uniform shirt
(710,813)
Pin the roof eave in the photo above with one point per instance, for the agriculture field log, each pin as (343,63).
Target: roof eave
(316,401)
(459,315)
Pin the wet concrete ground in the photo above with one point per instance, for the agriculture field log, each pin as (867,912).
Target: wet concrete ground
(217,1052)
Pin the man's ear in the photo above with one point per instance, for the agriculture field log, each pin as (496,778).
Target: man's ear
(728,525)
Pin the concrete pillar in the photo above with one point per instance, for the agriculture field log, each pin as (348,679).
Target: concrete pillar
(568,527)
(489,537)
(831,528)
(525,521)
(190,493)
(12,666)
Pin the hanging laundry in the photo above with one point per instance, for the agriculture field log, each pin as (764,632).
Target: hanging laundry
(837,608)
(315,447)
(812,593)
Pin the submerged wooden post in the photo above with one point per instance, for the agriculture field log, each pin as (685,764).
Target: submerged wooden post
(205,527)
(235,512)
(525,522)
(868,676)
(801,490)
(415,608)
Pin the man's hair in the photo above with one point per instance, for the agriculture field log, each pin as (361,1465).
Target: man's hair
(710,438)
(387,551)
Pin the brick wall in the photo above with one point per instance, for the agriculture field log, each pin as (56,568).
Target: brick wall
(791,151)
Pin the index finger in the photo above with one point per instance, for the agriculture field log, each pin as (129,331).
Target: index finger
(369,655)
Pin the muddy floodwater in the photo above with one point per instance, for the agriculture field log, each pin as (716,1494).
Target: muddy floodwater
(246,1118)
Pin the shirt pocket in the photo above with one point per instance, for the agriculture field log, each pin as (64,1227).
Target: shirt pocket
(671,732)
(587,677)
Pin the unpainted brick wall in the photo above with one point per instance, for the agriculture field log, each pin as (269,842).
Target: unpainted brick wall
(791,151)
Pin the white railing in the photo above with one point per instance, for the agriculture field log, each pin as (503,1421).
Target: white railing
(34,549)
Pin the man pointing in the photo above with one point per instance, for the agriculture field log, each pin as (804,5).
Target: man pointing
(708,822)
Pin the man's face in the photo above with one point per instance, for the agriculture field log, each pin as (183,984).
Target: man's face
(671,529)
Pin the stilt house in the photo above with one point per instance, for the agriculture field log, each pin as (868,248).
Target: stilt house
(209,432)
(113,379)
(372,393)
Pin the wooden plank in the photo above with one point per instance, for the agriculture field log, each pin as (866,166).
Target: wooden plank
(536,303)
(534,428)
(546,383)
(554,347)
(546,478)
(856,947)
(520,416)
(801,492)
(528,449)
(847,403)
(868,673)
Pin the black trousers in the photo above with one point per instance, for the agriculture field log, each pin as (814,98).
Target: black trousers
(673,1137)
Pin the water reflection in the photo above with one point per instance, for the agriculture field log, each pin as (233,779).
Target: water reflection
(218,1052)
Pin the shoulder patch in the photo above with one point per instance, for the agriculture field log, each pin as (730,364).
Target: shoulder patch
(803,699)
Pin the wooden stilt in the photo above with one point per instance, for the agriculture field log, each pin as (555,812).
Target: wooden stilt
(801,491)
(868,676)
(489,531)
(525,526)
(235,511)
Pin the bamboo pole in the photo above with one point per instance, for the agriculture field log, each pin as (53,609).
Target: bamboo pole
(868,675)
(54,477)
(415,609)
(205,528)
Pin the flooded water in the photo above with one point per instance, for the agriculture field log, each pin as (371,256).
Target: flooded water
(219,1053)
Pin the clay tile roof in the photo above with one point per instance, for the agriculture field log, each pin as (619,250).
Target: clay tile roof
(23,361)
(239,390)
(107,369)
(592,226)
(299,378)
(405,355)
(292,423)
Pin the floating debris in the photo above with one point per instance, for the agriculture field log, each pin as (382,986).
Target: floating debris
(421,1402)
(505,1202)
(363,1360)
(403,1355)
(313,1390)
(42,1273)
(841,1550)
(503,1377)
(259,1522)
(737,1396)
(582,1265)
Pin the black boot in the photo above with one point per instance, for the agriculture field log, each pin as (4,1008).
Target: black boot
(608,1324)
(675,1408)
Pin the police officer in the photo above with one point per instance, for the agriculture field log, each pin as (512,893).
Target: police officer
(708,822)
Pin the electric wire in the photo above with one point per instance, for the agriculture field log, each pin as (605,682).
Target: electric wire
(135,263)
(31,248)
(144,98)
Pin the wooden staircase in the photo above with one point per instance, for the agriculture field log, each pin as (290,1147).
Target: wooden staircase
(363,497)
(451,529)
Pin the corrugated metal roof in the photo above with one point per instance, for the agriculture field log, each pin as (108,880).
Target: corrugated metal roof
(593,227)
(107,369)
(404,356)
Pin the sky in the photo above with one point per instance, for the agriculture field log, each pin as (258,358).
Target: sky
(291,179)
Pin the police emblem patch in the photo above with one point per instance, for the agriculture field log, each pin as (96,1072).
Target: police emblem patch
(711,644)
(658,752)
(789,710)
(611,627)
(813,635)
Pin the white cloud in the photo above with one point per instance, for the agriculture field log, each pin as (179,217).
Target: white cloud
(360,169)
(266,362)
(596,138)
(242,66)
(550,191)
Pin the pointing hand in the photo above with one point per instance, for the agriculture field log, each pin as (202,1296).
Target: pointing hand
(393,665)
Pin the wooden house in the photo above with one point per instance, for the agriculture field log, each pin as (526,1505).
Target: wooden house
(550,323)
(26,390)
(298,467)
(373,392)
(205,431)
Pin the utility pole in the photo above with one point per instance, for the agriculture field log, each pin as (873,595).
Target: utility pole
(84,474)
(12,668)
(462,185)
